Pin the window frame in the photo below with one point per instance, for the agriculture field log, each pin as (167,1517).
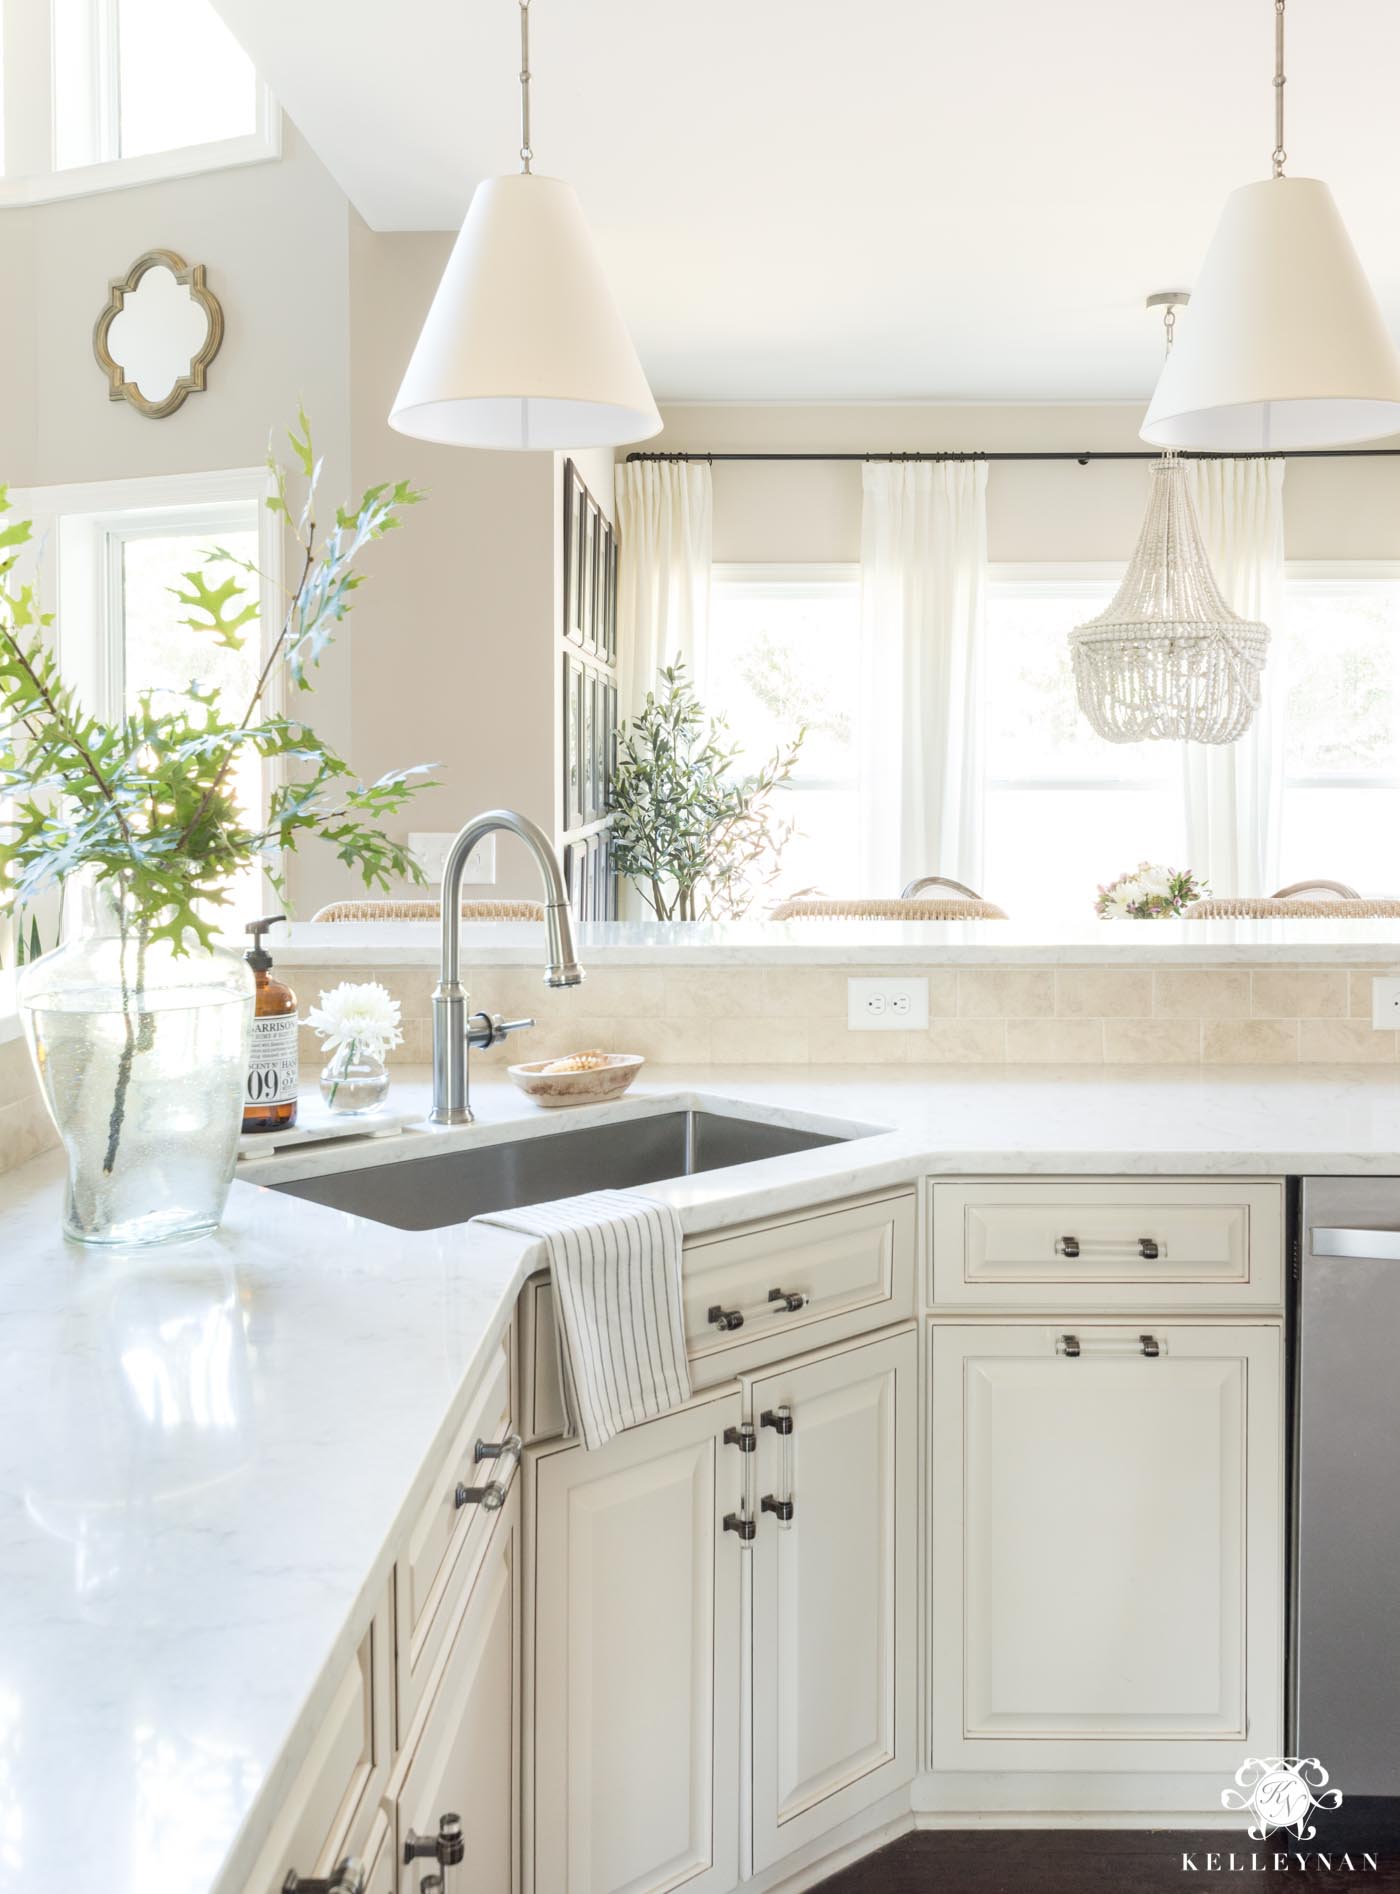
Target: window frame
(29,175)
(793,579)
(81,581)
(1047,580)
(1340,575)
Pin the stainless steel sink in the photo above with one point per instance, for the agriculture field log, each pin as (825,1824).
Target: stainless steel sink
(430,1193)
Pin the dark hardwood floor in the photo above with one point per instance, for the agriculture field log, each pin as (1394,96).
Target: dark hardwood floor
(1130,1861)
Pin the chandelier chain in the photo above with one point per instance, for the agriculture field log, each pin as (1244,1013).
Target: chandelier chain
(526,154)
(1280,155)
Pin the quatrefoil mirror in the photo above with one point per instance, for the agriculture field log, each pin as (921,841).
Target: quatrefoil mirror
(157,334)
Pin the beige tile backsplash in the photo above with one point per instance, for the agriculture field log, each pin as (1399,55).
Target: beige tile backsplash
(1088,1015)
(1083,1016)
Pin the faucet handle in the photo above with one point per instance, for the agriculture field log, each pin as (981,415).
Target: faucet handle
(492,1029)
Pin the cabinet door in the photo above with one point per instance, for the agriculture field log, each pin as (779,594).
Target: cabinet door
(635,1699)
(1107,1574)
(463,1752)
(833,1664)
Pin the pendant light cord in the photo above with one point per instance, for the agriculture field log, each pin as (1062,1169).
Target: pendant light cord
(1280,155)
(525,152)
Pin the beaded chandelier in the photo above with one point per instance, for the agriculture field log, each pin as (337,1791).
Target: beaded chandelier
(1168,658)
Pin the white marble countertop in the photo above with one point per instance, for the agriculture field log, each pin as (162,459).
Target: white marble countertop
(208,1453)
(1077,940)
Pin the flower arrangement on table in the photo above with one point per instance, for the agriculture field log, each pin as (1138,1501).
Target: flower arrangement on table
(1149,893)
(358,1026)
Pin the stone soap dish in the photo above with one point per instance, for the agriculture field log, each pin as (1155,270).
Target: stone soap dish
(607,1075)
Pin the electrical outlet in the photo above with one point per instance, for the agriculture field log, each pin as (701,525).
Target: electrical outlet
(1385,1003)
(876,1004)
(431,850)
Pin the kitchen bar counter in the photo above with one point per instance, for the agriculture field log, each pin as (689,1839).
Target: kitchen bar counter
(1080,940)
(207,1453)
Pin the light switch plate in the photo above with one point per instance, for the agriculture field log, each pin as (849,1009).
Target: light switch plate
(1385,1003)
(896,1004)
(431,850)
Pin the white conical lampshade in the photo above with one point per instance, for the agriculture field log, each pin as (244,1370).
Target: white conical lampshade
(524,345)
(1285,345)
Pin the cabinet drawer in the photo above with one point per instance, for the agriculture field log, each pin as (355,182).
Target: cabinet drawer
(329,1809)
(1079,1244)
(852,1266)
(447,1539)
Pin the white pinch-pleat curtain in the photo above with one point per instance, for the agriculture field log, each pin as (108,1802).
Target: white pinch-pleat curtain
(665,515)
(923,570)
(1234,791)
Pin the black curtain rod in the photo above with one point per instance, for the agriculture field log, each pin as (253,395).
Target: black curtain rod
(1083,459)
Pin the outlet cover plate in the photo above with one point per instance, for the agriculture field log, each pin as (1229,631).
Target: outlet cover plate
(431,849)
(887,1004)
(1385,1003)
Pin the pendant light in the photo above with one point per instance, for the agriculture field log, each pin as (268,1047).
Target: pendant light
(524,345)
(1286,346)
(1168,659)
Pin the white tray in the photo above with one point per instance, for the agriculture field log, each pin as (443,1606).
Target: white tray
(315,1125)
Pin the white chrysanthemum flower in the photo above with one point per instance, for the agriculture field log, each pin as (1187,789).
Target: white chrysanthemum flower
(363,1016)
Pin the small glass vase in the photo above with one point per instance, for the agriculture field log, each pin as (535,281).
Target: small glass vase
(354,1082)
(142,1057)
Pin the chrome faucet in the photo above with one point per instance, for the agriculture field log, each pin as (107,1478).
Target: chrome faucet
(453,1032)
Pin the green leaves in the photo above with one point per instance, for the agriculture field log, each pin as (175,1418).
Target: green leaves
(698,839)
(149,800)
(216,604)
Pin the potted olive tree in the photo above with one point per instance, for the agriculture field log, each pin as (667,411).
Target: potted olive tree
(138,1026)
(699,838)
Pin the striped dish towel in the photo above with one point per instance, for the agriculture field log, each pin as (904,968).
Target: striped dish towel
(616,1262)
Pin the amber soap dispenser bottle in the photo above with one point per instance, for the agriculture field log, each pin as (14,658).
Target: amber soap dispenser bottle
(270,1098)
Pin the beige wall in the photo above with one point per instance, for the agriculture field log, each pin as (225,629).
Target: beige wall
(454,657)
(1035,511)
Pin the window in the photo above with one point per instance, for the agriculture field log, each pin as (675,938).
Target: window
(1340,657)
(110,558)
(781,650)
(1065,810)
(100,93)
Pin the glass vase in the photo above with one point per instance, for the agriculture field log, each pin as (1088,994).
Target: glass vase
(142,1056)
(354,1081)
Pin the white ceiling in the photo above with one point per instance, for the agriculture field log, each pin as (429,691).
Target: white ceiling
(860,199)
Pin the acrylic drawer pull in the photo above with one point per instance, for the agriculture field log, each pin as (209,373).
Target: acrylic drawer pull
(1073,1347)
(1149,1248)
(492,1496)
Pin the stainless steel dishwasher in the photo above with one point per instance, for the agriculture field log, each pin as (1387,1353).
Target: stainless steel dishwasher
(1346,1498)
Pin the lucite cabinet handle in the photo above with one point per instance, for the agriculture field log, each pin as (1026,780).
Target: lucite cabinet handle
(347,1877)
(492,1496)
(1148,1248)
(1072,1347)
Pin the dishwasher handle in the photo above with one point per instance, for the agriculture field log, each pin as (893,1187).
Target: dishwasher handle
(1366,1245)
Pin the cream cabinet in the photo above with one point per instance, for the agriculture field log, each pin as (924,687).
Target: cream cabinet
(1106,1531)
(635,1674)
(834,1587)
(462,1757)
(1159,1244)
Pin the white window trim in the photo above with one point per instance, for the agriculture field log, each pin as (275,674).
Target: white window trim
(29,176)
(792,580)
(167,501)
